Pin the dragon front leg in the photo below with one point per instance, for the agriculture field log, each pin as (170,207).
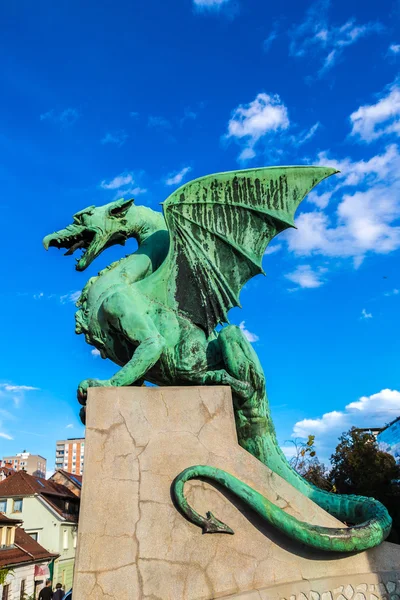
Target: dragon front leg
(138,328)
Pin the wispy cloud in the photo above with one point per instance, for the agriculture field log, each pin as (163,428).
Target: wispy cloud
(64,118)
(159,122)
(252,337)
(188,115)
(8,387)
(177,178)
(372,121)
(133,114)
(307,277)
(118,138)
(124,185)
(365,314)
(272,249)
(15,393)
(69,426)
(317,36)
(6,436)
(394,292)
(210,4)
(70,297)
(394,49)
(95,353)
(271,37)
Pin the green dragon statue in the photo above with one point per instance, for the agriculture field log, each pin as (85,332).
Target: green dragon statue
(155,312)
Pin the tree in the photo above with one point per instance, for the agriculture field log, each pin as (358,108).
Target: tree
(359,467)
(307,464)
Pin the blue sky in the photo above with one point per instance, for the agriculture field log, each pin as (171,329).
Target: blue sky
(111,99)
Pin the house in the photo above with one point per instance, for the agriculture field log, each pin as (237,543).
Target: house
(49,512)
(70,480)
(23,562)
(5,472)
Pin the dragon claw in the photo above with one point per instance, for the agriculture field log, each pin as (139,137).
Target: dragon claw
(214,525)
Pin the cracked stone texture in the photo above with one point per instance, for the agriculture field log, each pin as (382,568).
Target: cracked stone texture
(133,543)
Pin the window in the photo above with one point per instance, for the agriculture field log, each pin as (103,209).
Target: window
(75,538)
(65,539)
(18,505)
(3,506)
(22,590)
(35,535)
(8,536)
(6,590)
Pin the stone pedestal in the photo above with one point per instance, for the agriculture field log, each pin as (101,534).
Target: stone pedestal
(134,544)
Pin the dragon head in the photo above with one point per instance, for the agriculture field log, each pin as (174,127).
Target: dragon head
(93,229)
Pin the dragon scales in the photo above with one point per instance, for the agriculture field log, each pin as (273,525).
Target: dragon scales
(154,313)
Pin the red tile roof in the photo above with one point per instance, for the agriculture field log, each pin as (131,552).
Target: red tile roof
(21,484)
(25,550)
(4,520)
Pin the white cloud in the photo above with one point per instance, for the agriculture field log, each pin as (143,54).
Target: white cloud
(265,115)
(95,352)
(272,36)
(394,292)
(372,121)
(117,137)
(366,216)
(133,114)
(64,118)
(394,48)
(175,179)
(252,337)
(69,426)
(369,411)
(17,388)
(118,181)
(306,277)
(70,297)
(305,136)
(159,122)
(272,249)
(365,314)
(316,36)
(6,436)
(38,296)
(210,4)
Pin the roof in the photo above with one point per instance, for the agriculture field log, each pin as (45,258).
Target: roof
(7,521)
(25,550)
(76,479)
(390,424)
(22,484)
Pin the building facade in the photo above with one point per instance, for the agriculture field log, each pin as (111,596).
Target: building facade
(70,455)
(23,561)
(49,512)
(389,439)
(25,461)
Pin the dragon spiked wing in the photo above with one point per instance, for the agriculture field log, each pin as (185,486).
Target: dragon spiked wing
(220,226)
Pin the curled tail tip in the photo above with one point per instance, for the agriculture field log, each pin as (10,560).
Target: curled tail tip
(214,525)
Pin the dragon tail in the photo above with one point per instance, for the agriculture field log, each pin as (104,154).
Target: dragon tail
(373,518)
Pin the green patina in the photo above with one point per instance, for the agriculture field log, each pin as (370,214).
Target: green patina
(154,313)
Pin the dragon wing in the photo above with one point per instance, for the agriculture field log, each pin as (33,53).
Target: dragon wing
(220,226)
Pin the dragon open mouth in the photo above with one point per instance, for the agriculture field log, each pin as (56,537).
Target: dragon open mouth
(75,237)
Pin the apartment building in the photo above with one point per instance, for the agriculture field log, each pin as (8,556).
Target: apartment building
(70,455)
(33,464)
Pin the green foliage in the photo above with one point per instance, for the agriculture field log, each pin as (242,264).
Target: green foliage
(4,574)
(307,464)
(359,467)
